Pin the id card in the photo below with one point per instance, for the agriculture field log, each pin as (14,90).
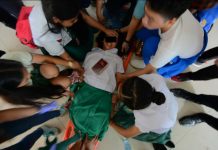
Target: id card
(100,66)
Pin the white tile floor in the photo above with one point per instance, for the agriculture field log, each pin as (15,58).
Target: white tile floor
(200,137)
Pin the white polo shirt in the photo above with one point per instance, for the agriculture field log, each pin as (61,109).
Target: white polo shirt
(157,118)
(184,39)
(43,37)
(106,80)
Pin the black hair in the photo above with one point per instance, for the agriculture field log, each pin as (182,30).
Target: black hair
(169,9)
(138,94)
(62,9)
(11,75)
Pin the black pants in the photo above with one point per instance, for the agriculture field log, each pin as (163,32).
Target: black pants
(11,129)
(27,142)
(207,73)
(207,100)
(9,12)
(208,55)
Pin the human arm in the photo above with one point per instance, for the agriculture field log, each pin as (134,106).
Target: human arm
(147,70)
(133,26)
(99,7)
(92,22)
(37,58)
(129,132)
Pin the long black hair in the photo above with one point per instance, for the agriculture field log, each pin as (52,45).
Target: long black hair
(138,94)
(11,75)
(62,9)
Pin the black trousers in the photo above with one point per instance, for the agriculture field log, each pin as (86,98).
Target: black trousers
(207,73)
(207,100)
(208,55)
(11,129)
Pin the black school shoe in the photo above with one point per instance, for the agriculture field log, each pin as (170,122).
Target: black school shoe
(191,120)
(169,144)
(182,93)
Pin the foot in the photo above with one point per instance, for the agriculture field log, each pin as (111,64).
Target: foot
(191,120)
(170,144)
(48,131)
(181,93)
(180,77)
(159,146)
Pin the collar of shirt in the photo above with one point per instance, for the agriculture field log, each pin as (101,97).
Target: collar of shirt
(172,30)
(113,50)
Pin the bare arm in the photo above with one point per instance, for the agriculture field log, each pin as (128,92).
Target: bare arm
(37,58)
(92,22)
(66,56)
(99,7)
(133,26)
(17,113)
(147,70)
(129,132)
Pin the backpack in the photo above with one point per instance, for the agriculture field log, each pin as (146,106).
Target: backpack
(23,30)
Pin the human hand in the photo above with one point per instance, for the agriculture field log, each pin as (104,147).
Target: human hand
(120,77)
(90,144)
(111,32)
(125,47)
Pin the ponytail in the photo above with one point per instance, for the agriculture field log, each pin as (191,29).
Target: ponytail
(138,94)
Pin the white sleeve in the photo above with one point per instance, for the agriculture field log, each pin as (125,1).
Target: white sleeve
(22,56)
(163,55)
(54,48)
(120,68)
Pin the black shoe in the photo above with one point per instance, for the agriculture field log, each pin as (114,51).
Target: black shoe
(159,146)
(170,144)
(191,120)
(181,93)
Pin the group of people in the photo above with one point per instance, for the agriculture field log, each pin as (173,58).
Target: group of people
(90,70)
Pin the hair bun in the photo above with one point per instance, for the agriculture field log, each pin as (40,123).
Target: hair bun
(158,98)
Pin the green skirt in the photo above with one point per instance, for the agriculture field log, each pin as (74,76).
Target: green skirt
(90,110)
(125,118)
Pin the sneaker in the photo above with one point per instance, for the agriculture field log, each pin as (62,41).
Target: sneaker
(180,77)
(191,120)
(48,131)
(137,63)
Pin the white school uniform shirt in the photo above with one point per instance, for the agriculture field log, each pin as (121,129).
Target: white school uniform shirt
(43,37)
(106,80)
(157,118)
(184,39)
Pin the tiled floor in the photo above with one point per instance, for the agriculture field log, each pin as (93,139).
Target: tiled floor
(200,137)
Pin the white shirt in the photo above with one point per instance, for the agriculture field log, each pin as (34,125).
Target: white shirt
(184,39)
(106,80)
(42,36)
(157,118)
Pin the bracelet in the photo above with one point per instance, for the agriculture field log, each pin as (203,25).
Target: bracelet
(70,64)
